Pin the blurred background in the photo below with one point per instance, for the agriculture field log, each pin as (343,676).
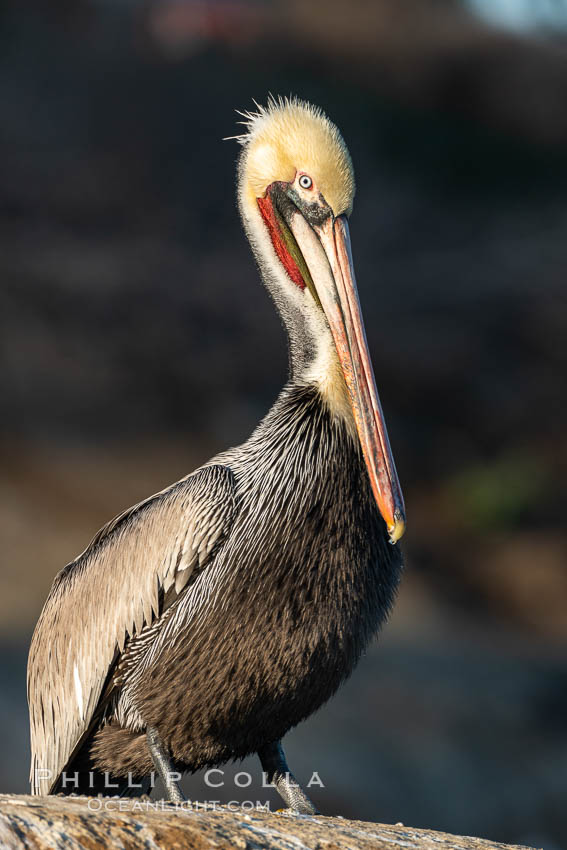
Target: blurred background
(136,341)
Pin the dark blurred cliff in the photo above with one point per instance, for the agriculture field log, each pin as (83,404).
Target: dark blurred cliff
(136,341)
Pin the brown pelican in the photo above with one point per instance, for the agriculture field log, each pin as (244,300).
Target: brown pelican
(203,623)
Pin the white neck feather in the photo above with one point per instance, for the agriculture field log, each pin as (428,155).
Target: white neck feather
(313,357)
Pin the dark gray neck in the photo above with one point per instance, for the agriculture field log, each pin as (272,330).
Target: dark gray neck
(301,344)
(300,424)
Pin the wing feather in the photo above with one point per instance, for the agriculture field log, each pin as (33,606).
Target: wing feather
(107,595)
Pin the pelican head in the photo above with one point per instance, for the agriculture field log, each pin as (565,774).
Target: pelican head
(296,189)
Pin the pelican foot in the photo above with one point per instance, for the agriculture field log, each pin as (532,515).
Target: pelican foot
(163,766)
(279,775)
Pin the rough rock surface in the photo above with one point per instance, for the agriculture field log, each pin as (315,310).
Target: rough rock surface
(81,822)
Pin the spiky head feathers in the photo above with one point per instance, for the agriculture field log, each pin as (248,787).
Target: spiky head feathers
(290,135)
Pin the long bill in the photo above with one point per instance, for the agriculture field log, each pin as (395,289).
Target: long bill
(327,252)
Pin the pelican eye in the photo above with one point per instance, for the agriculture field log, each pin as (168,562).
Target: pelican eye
(305,181)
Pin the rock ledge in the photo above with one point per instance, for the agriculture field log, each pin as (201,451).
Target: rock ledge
(39,823)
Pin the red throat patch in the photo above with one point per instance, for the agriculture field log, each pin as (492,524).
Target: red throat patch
(269,215)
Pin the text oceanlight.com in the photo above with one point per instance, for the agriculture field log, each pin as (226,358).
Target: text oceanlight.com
(120,804)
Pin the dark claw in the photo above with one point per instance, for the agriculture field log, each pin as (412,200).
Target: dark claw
(279,775)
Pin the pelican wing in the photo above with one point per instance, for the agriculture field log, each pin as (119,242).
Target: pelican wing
(107,595)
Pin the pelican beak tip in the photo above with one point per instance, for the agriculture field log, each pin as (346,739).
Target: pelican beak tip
(397,529)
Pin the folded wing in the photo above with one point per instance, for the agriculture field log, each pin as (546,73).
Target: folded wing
(134,567)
